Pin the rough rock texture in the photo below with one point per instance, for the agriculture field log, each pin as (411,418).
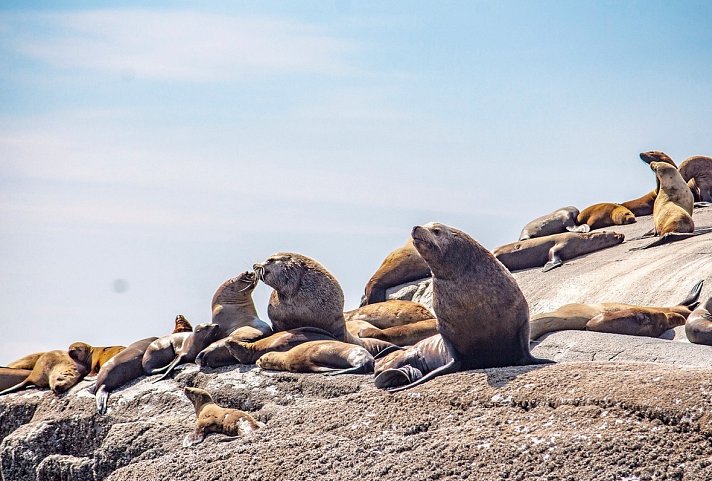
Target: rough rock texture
(600,414)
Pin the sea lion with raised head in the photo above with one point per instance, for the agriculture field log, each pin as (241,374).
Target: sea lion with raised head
(576,316)
(605,214)
(644,205)
(551,251)
(400,266)
(390,313)
(12,376)
(26,362)
(98,356)
(561,220)
(482,314)
(56,370)
(202,336)
(406,335)
(330,357)
(212,418)
(697,172)
(698,327)
(119,370)
(182,325)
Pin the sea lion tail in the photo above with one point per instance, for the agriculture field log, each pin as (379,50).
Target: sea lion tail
(693,297)
(102,399)
(170,367)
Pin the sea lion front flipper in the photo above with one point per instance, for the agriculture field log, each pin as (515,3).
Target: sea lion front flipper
(397,377)
(691,301)
(554,260)
(579,228)
(102,399)
(451,367)
(196,437)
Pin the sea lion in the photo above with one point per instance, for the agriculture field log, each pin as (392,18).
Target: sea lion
(392,312)
(182,325)
(26,362)
(400,266)
(403,335)
(11,376)
(98,355)
(408,366)
(697,172)
(576,316)
(202,336)
(234,311)
(482,314)
(635,322)
(551,251)
(331,357)
(561,220)
(605,214)
(56,370)
(354,327)
(644,205)
(162,351)
(250,352)
(212,418)
(698,327)
(120,369)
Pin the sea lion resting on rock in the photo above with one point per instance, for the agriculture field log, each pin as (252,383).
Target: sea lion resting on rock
(234,311)
(644,205)
(400,266)
(697,172)
(390,313)
(698,327)
(403,335)
(119,370)
(161,352)
(201,337)
(561,220)
(483,317)
(605,214)
(11,376)
(98,356)
(330,357)
(56,370)
(26,362)
(602,317)
(212,418)
(250,352)
(551,251)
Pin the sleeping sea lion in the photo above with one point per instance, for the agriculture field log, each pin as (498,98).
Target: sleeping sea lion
(392,312)
(56,370)
(561,220)
(406,335)
(98,355)
(202,336)
(331,357)
(605,214)
(250,352)
(400,266)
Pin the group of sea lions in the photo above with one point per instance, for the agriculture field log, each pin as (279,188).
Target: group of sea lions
(479,317)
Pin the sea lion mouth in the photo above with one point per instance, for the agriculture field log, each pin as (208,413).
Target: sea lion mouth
(251,279)
(647,158)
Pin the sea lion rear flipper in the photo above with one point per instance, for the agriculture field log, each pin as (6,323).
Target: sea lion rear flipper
(363,369)
(396,377)
(701,204)
(102,399)
(170,367)
(668,238)
(449,368)
(196,437)
(91,388)
(579,228)
(554,260)
(691,299)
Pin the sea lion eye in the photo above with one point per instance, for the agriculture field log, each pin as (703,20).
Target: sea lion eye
(436,231)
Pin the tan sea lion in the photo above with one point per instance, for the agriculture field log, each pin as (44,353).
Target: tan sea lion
(202,336)
(635,322)
(56,370)
(26,362)
(605,214)
(697,172)
(354,327)
(11,376)
(402,265)
(698,327)
(212,418)
(250,352)
(561,220)
(119,370)
(404,335)
(392,312)
(482,314)
(644,205)
(331,357)
(576,316)
(98,355)
(551,251)
(182,325)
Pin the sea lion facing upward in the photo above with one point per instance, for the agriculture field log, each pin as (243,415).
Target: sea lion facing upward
(182,325)
(482,314)
(11,376)
(26,362)
(331,357)
(212,418)
(605,214)
(698,327)
(551,251)
(576,316)
(119,370)
(402,265)
(697,172)
(392,312)
(56,370)
(98,356)
(644,205)
(561,220)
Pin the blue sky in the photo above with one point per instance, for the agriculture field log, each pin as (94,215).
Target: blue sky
(175,145)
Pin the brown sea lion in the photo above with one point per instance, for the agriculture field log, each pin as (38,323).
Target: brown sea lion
(635,322)
(26,362)
(697,172)
(331,357)
(354,327)
(98,355)
(250,352)
(698,327)
(551,251)
(605,214)
(392,312)
(120,369)
(56,370)
(576,316)
(182,325)
(644,205)
(202,336)
(561,220)
(11,376)
(402,265)
(482,314)
(404,335)
(212,418)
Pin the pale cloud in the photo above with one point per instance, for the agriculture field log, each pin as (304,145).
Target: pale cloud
(183,45)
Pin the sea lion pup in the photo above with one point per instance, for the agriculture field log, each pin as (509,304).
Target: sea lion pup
(215,419)
(644,205)
(635,322)
(576,316)
(11,376)
(392,312)
(698,327)
(605,214)
(400,266)
(182,325)
(120,369)
(330,357)
(561,220)
(234,311)
(482,314)
(403,335)
(202,336)
(98,356)
(250,352)
(56,370)
(26,362)
(551,251)
(697,172)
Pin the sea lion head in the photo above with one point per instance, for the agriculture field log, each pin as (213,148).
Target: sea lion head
(606,238)
(282,271)
(81,352)
(237,289)
(197,396)
(622,215)
(664,172)
(656,156)
(182,325)
(446,249)
(205,334)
